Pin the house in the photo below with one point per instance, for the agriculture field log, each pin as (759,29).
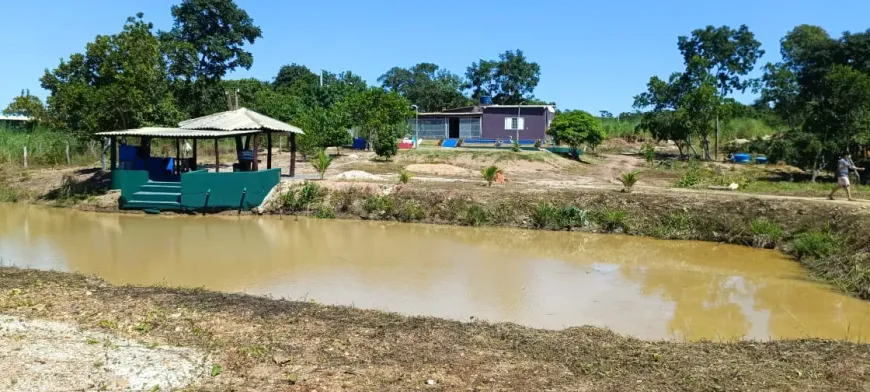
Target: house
(485,122)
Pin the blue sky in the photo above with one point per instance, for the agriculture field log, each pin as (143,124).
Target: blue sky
(593,55)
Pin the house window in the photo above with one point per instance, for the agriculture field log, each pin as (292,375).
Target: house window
(514,123)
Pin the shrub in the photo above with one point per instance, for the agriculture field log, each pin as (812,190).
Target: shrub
(489,174)
(385,144)
(649,152)
(300,197)
(321,162)
(676,225)
(411,211)
(628,180)
(545,216)
(814,244)
(537,143)
(612,220)
(404,176)
(765,233)
(692,177)
(516,146)
(382,205)
(324,212)
(474,215)
(573,217)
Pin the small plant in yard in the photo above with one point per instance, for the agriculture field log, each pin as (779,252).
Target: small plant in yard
(649,152)
(816,244)
(321,162)
(489,174)
(765,233)
(628,180)
(537,143)
(516,146)
(404,176)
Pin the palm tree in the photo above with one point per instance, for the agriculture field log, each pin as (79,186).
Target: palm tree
(628,180)
(489,174)
(321,162)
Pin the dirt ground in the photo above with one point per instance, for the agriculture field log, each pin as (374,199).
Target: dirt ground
(261,344)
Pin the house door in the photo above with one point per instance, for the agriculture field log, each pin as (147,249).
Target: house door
(453,128)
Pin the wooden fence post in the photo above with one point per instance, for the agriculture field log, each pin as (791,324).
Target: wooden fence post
(25,157)
(68,161)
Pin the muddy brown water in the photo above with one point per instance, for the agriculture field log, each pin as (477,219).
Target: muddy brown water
(648,288)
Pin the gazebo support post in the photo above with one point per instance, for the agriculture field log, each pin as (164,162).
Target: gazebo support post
(292,155)
(194,154)
(256,165)
(268,150)
(217,157)
(113,155)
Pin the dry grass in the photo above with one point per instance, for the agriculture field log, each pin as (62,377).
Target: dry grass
(264,344)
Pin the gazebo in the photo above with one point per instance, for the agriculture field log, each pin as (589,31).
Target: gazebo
(167,183)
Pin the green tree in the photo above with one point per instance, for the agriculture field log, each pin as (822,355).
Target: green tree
(575,128)
(385,143)
(510,80)
(206,42)
(119,82)
(728,56)
(426,85)
(374,112)
(27,105)
(295,76)
(667,125)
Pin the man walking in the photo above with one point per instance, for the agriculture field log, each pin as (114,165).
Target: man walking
(843,166)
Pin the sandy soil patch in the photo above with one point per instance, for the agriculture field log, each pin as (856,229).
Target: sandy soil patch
(40,355)
(357,175)
(437,169)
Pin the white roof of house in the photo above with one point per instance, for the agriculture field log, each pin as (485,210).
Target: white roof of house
(15,118)
(237,120)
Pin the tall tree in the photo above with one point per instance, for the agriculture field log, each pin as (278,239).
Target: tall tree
(119,82)
(426,85)
(27,105)
(206,41)
(377,113)
(728,55)
(295,76)
(510,80)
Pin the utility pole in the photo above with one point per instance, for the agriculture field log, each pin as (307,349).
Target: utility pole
(416,125)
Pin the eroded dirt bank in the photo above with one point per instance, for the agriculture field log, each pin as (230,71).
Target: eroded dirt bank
(264,344)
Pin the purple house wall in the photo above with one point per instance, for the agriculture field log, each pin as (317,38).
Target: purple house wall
(536,122)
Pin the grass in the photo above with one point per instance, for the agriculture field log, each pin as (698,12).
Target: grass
(45,148)
(815,244)
(445,155)
(375,350)
(301,197)
(613,220)
(766,233)
(549,217)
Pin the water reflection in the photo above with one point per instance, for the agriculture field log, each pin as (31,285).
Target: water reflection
(638,286)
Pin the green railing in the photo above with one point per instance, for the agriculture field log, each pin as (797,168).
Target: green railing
(204,190)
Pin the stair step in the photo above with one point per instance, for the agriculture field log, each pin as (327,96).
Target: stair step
(160,188)
(148,204)
(157,196)
(163,183)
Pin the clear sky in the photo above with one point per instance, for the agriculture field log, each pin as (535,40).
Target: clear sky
(594,55)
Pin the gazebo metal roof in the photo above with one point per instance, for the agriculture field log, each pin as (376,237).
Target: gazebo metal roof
(176,133)
(238,120)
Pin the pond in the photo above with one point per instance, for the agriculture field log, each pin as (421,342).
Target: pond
(651,289)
